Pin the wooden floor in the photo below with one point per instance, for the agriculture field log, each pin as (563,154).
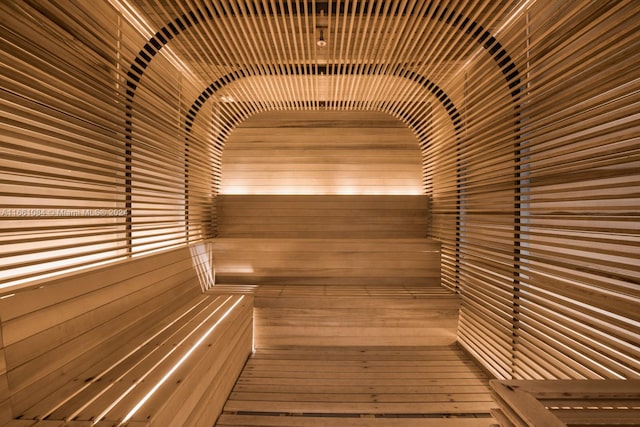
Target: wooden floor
(359,386)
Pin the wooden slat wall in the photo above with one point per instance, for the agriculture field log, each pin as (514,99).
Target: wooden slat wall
(92,172)
(529,141)
(539,220)
(323,198)
(157,162)
(440,185)
(321,152)
(579,290)
(322,216)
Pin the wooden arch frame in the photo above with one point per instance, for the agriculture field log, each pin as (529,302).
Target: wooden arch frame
(476,31)
(194,17)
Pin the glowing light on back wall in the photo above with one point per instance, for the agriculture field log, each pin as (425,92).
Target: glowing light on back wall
(298,187)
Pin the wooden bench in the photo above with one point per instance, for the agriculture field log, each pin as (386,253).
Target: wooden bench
(566,403)
(373,315)
(137,342)
(325,240)
(341,262)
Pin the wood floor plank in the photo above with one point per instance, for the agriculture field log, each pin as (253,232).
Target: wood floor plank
(362,397)
(356,374)
(315,364)
(363,389)
(322,407)
(277,421)
(304,386)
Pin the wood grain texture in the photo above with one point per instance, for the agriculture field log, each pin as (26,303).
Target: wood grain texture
(321,152)
(339,262)
(322,216)
(139,331)
(527,118)
(312,315)
(567,403)
(538,220)
(358,386)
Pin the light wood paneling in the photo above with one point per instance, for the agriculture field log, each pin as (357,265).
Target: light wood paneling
(83,183)
(323,216)
(5,401)
(566,403)
(94,345)
(327,261)
(321,152)
(528,127)
(317,239)
(535,196)
(370,315)
(359,386)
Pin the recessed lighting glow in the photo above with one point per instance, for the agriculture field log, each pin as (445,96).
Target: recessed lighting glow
(178,364)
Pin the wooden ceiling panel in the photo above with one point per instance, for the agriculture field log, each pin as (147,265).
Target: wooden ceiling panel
(396,41)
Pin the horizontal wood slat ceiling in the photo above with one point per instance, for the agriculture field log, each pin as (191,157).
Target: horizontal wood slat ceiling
(115,116)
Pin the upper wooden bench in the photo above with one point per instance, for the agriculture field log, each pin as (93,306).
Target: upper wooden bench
(567,403)
(341,262)
(136,342)
(325,240)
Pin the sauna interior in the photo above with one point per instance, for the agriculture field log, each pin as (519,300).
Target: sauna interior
(349,213)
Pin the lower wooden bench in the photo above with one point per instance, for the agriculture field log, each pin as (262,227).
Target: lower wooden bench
(356,315)
(567,403)
(135,345)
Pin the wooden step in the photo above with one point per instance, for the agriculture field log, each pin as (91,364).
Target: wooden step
(355,315)
(234,420)
(336,261)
